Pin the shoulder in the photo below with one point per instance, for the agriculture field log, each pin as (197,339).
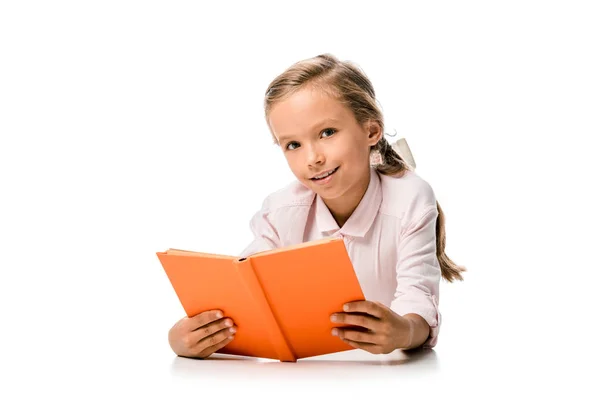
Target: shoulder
(406,196)
(291,195)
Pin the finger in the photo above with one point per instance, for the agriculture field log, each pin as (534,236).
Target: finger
(216,347)
(214,339)
(359,319)
(371,348)
(356,336)
(375,309)
(210,329)
(204,318)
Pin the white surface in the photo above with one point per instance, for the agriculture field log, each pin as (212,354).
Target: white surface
(127,126)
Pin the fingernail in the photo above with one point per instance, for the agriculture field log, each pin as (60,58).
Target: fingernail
(334,332)
(346,307)
(219,314)
(228,323)
(333,318)
(232,330)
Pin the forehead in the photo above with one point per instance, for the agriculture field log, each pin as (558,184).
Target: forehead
(299,113)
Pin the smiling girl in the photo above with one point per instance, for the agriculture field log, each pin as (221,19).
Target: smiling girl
(352,184)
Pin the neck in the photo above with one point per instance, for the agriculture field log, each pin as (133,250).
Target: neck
(342,207)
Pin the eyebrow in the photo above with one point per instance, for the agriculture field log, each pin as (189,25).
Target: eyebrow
(321,123)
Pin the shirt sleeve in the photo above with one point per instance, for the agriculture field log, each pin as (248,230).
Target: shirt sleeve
(418,273)
(265,234)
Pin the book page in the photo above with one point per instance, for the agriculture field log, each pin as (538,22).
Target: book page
(296,246)
(198,254)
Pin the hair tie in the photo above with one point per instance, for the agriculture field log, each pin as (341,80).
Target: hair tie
(401,147)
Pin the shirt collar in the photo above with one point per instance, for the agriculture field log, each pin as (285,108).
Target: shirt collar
(363,216)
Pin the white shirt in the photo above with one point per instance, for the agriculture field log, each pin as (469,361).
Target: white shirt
(390,238)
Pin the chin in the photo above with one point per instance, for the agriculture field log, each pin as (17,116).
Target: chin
(327,193)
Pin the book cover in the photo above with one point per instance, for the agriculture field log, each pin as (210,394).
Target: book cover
(280,300)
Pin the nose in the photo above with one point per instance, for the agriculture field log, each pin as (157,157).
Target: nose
(315,156)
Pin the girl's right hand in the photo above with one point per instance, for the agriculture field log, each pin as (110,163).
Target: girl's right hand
(201,335)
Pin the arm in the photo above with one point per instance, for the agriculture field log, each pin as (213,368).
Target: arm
(382,331)
(412,320)
(419,331)
(418,275)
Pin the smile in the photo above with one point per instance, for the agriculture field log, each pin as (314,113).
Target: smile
(324,175)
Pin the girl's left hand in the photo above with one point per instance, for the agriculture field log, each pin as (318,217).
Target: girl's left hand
(384,330)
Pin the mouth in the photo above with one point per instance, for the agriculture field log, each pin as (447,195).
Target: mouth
(324,175)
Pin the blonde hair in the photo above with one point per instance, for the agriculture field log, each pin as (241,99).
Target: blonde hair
(346,82)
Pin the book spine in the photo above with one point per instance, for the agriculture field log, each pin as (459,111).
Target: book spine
(272,329)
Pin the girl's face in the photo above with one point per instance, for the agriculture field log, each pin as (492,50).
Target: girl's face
(325,147)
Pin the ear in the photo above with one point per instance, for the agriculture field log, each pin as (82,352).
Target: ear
(374,132)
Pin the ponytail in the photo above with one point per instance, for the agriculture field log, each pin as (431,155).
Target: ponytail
(393,164)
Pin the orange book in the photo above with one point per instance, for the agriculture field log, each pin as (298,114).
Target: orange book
(280,300)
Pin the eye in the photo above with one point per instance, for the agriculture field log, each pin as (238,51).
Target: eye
(287,147)
(328,130)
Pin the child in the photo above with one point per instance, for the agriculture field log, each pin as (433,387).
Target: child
(351,184)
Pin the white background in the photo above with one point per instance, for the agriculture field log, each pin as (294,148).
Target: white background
(129,127)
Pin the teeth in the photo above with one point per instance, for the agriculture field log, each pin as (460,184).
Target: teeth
(325,174)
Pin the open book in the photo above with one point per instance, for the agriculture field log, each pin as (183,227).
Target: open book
(280,300)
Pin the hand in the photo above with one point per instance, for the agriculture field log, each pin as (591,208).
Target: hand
(201,335)
(378,330)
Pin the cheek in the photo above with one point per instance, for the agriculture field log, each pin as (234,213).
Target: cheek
(352,154)
(293,163)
